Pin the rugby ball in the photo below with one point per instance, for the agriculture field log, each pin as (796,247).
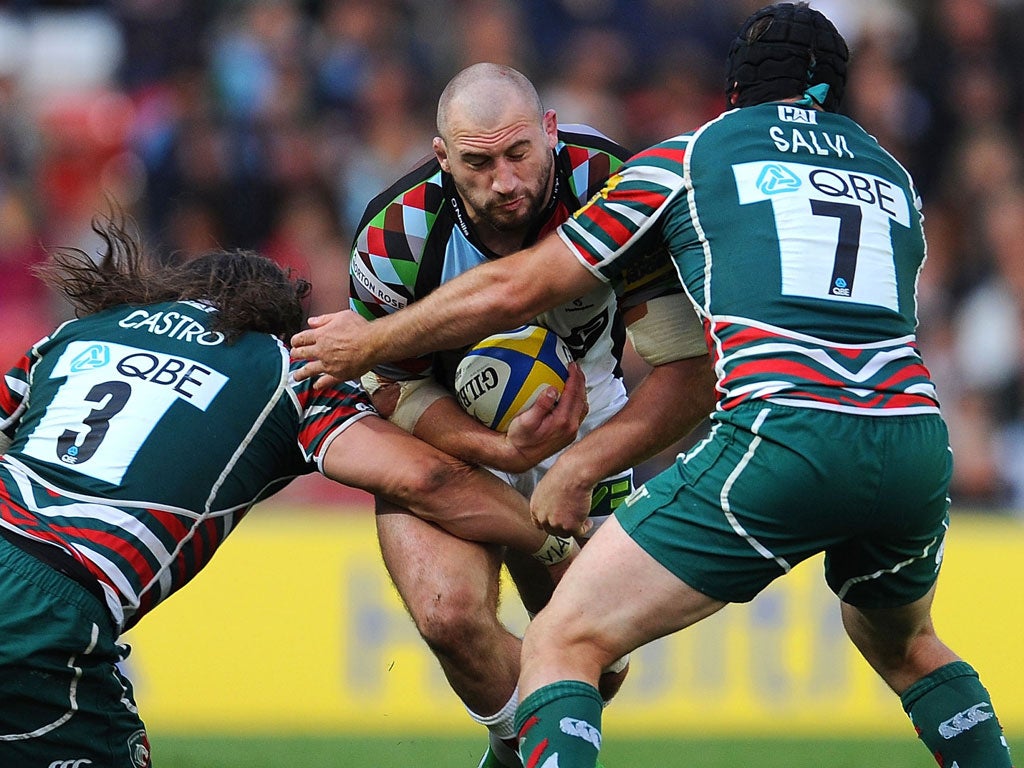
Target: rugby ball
(504,374)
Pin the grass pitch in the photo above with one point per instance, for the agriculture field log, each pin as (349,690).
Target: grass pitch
(422,752)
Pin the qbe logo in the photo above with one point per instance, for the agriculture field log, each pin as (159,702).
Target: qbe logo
(79,763)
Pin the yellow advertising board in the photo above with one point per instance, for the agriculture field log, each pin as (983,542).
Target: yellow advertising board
(295,627)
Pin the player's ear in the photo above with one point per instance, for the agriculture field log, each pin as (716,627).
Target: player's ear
(550,123)
(441,153)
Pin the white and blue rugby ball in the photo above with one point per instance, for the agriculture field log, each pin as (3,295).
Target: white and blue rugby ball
(504,374)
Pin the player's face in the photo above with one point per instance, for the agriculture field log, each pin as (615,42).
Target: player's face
(503,175)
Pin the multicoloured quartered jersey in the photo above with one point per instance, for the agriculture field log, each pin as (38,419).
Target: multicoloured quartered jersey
(140,440)
(417,235)
(799,240)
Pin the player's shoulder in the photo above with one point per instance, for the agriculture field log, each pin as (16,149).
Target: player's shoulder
(587,158)
(419,190)
(579,136)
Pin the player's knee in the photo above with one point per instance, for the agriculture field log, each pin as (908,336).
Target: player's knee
(434,475)
(455,623)
(893,648)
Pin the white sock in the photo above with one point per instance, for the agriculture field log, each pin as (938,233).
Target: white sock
(503,722)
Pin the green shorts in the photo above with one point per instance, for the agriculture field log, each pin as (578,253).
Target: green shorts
(63,700)
(773,485)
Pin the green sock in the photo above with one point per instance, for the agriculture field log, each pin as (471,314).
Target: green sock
(953,715)
(560,721)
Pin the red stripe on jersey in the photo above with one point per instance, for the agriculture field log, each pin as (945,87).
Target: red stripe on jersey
(916,371)
(170,522)
(100,540)
(787,369)
(674,154)
(905,400)
(584,254)
(748,335)
(197,548)
(14,514)
(9,400)
(314,429)
(850,354)
(611,225)
(650,198)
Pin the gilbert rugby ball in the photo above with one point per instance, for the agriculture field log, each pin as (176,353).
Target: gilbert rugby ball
(504,374)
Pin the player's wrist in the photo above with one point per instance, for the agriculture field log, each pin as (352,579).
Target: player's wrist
(576,470)
(555,550)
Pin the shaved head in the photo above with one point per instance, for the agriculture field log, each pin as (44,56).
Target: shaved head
(482,94)
(497,142)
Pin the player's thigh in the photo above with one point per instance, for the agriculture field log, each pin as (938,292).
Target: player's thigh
(614,598)
(893,560)
(62,697)
(434,570)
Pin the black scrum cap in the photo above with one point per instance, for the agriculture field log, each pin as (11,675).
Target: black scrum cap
(781,51)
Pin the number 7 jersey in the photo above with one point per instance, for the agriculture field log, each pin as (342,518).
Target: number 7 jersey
(799,241)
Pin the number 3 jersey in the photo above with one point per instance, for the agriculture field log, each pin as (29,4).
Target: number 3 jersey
(799,241)
(140,438)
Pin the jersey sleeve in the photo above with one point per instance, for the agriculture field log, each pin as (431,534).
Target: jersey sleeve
(13,389)
(387,254)
(326,413)
(619,225)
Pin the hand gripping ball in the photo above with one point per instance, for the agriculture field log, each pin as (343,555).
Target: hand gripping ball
(504,374)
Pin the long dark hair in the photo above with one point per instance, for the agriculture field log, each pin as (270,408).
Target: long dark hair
(249,291)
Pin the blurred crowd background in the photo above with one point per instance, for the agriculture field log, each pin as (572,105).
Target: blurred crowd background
(269,124)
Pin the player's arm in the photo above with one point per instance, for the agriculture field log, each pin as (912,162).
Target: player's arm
(378,457)
(384,276)
(492,297)
(431,414)
(508,291)
(667,404)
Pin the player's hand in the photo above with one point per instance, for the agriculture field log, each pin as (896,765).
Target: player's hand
(552,422)
(560,504)
(335,344)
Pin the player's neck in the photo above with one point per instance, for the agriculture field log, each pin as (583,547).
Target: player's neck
(501,242)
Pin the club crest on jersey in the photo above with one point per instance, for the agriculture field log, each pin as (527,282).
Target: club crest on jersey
(775,179)
(94,356)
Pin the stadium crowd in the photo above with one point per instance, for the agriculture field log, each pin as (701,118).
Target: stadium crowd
(268,124)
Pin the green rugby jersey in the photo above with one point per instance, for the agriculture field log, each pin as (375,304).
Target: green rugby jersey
(799,241)
(140,439)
